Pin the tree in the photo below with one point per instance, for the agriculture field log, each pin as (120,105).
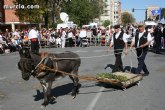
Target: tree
(127,18)
(79,11)
(82,11)
(163,13)
(48,9)
(25,15)
(106,23)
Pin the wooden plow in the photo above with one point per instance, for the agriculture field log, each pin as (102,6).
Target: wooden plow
(131,78)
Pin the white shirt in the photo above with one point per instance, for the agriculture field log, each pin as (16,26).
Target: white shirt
(149,38)
(58,41)
(1,38)
(16,34)
(52,39)
(63,35)
(70,35)
(83,33)
(33,34)
(125,37)
(89,34)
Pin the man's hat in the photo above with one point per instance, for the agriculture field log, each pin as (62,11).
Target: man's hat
(141,24)
(116,26)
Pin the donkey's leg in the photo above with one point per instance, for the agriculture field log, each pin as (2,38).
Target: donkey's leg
(49,95)
(45,87)
(75,83)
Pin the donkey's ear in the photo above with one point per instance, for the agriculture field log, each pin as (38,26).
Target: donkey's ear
(20,50)
(26,51)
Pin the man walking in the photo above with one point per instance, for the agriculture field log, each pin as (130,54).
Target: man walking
(119,40)
(141,42)
(34,39)
(157,36)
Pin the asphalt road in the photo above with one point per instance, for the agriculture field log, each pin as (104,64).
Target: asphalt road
(17,94)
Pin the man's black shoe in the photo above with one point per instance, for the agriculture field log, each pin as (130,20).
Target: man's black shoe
(145,74)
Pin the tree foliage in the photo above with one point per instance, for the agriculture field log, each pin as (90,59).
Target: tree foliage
(47,9)
(82,11)
(27,15)
(127,18)
(163,13)
(79,11)
(106,23)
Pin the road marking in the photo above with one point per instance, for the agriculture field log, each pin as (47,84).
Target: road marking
(94,101)
(99,50)
(79,51)
(2,78)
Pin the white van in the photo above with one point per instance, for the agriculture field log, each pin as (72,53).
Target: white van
(93,24)
(64,25)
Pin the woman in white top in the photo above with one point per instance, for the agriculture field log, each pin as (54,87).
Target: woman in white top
(82,35)
(63,38)
(70,35)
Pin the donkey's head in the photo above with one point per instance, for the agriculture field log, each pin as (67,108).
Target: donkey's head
(27,62)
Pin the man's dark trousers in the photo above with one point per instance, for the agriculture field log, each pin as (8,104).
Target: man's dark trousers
(158,44)
(118,62)
(141,64)
(35,46)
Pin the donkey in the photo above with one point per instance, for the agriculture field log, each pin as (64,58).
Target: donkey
(67,62)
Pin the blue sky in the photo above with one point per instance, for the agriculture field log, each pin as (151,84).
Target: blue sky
(140,4)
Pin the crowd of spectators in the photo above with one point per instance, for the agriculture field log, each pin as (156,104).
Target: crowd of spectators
(71,37)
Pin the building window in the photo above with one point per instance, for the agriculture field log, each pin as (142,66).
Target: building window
(105,12)
(116,17)
(115,12)
(105,6)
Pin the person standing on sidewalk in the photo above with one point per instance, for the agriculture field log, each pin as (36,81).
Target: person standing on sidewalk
(141,42)
(63,37)
(119,41)
(34,39)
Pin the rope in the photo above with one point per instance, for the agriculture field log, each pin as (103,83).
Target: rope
(100,55)
(89,78)
(38,65)
(86,57)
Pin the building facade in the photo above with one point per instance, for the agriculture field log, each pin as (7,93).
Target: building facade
(111,11)
(8,19)
(2,17)
(116,12)
(106,11)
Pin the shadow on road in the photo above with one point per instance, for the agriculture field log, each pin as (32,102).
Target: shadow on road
(67,88)
(127,68)
(162,51)
(57,91)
